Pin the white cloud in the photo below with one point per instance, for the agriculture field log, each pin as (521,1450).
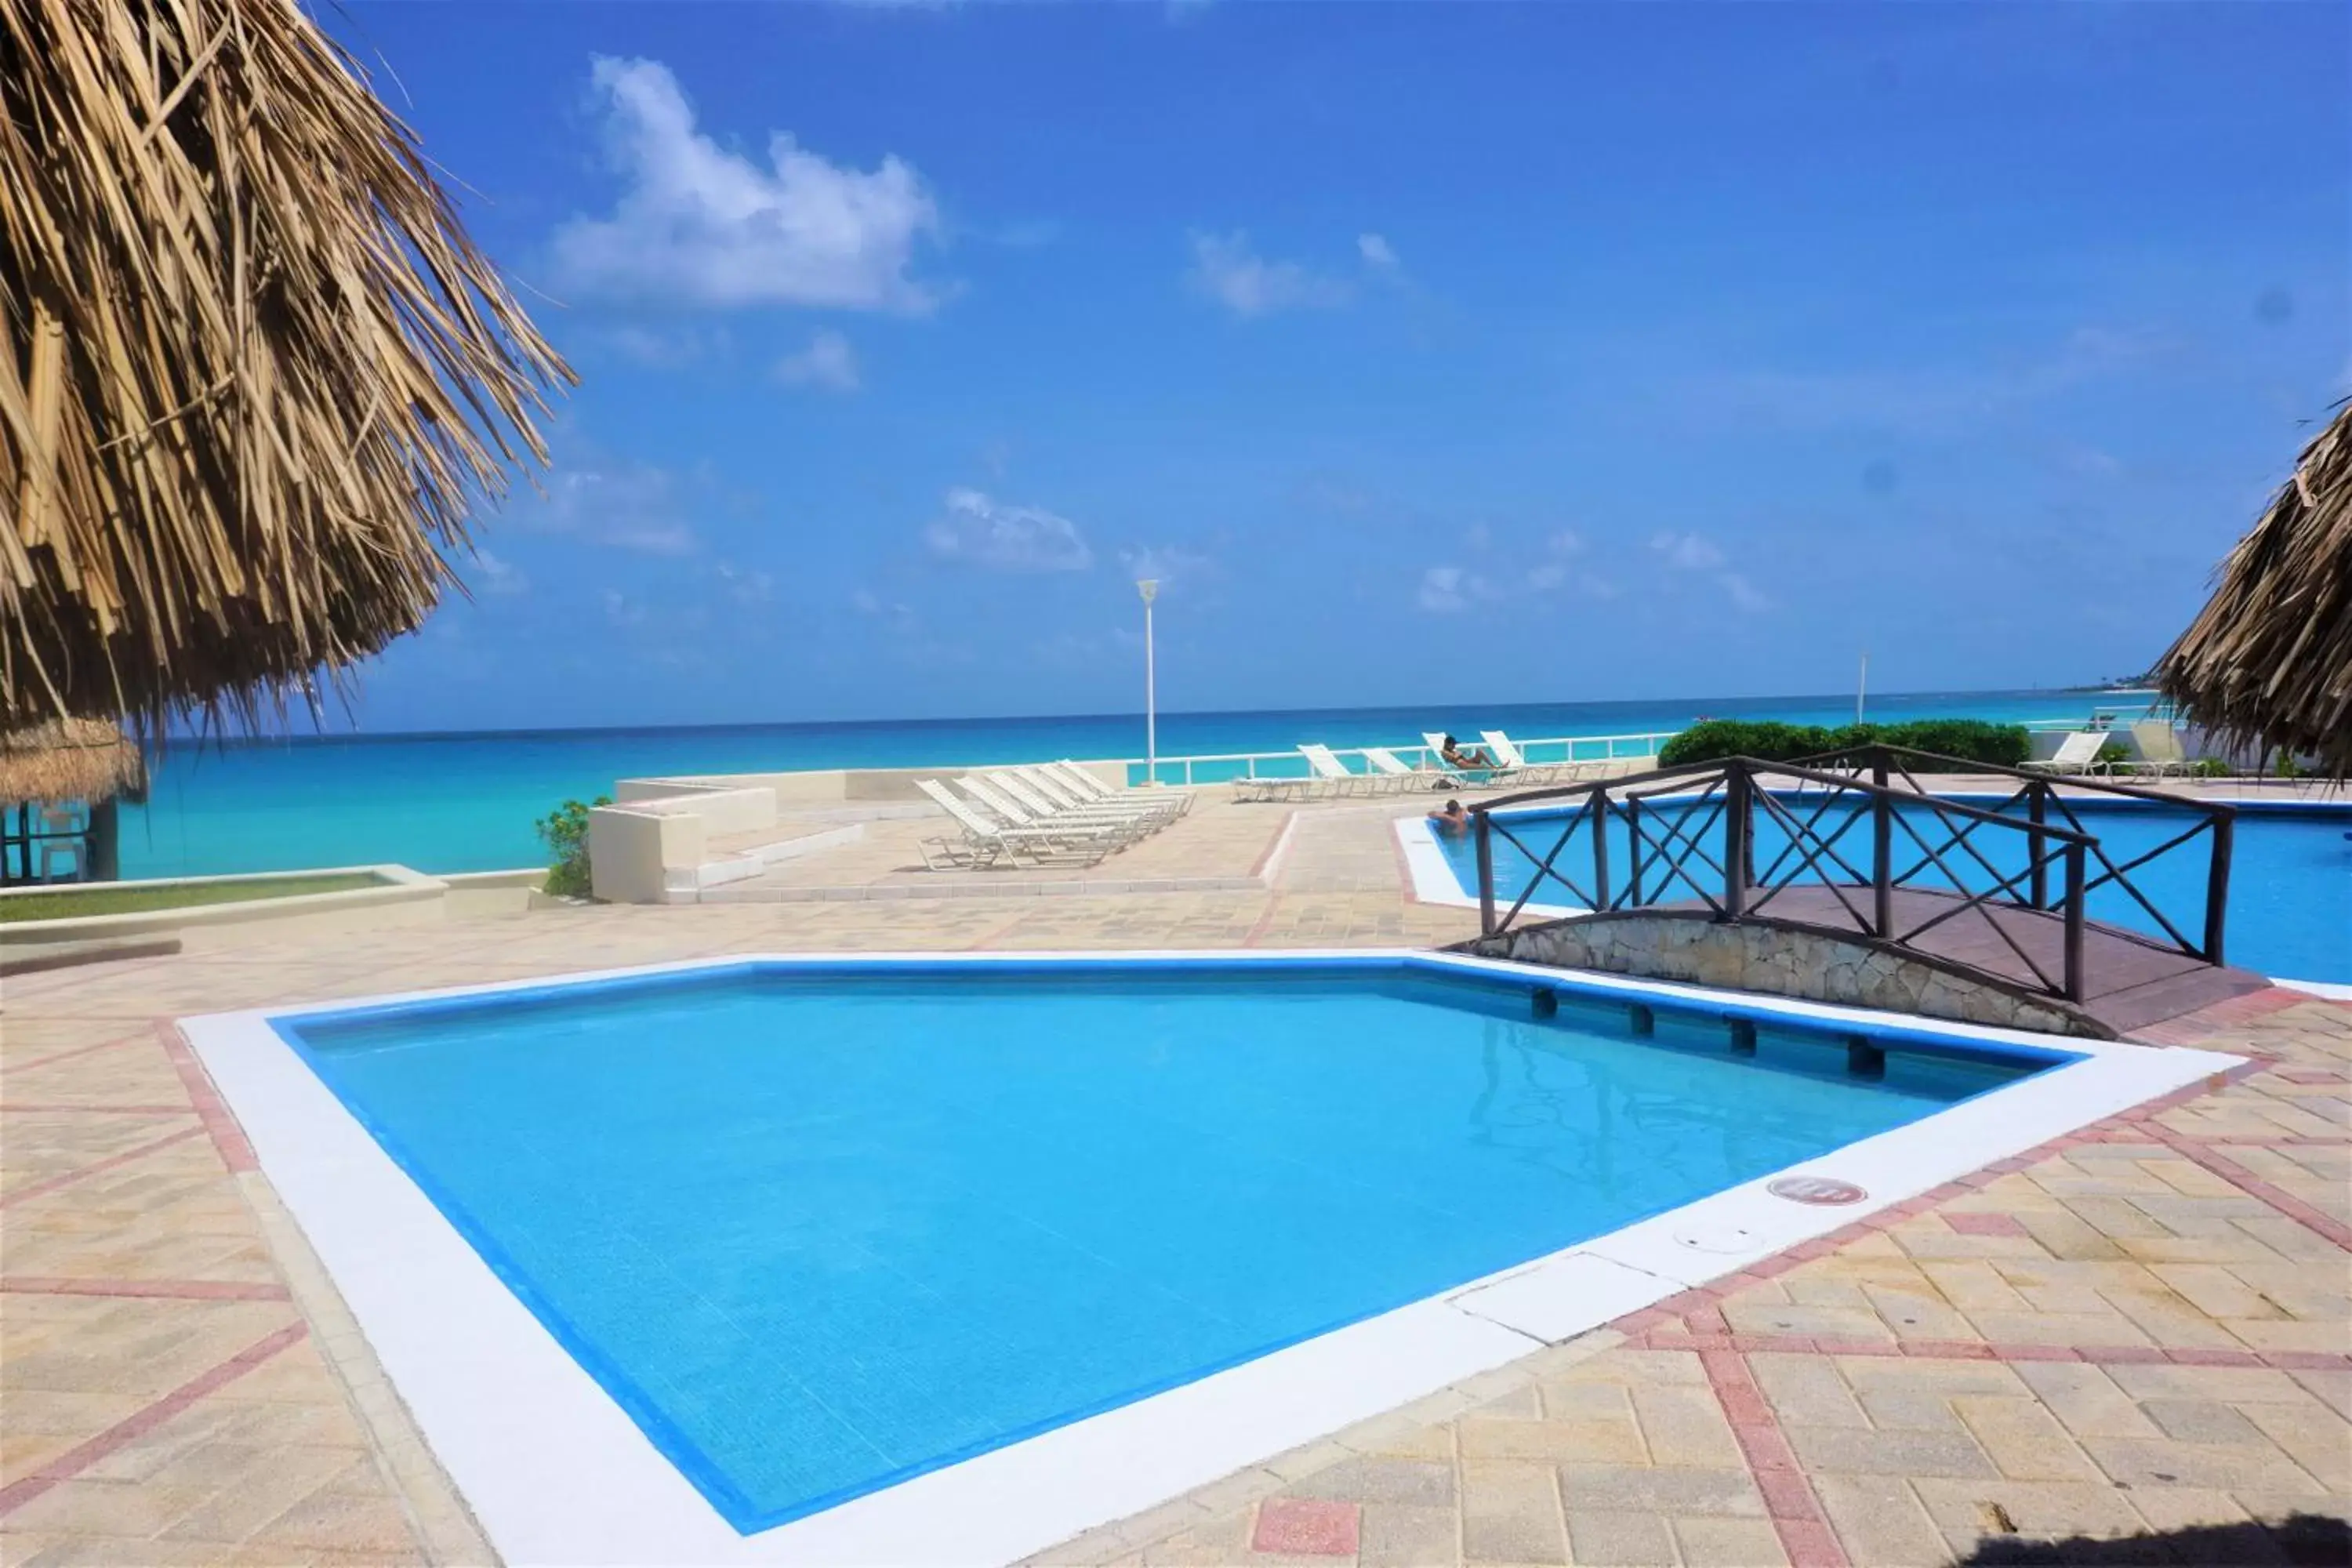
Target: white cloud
(1229,271)
(1006,538)
(1693,553)
(697,223)
(1744,594)
(1166,565)
(1552,569)
(828,363)
(1447,589)
(1687,552)
(894,615)
(626,505)
(498,575)
(1378,253)
(667,348)
(1922,399)
(744,584)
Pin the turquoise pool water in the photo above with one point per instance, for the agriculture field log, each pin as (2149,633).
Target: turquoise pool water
(2290,906)
(818,1232)
(466,802)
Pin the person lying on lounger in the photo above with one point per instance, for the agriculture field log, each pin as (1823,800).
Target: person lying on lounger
(1451,819)
(1471,760)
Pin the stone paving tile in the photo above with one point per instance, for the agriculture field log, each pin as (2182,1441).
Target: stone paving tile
(1955,1427)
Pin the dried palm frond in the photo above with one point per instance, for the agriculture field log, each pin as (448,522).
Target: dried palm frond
(67,760)
(2269,659)
(254,371)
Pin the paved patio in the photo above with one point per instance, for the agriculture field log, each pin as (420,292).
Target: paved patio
(2147,1326)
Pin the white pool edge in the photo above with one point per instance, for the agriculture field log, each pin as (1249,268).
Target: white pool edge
(557,1472)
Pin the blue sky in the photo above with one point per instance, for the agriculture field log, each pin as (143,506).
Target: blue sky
(1512,352)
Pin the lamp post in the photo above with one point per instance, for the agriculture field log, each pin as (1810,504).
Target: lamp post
(1150,588)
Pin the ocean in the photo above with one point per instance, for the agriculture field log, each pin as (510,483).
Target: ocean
(467,802)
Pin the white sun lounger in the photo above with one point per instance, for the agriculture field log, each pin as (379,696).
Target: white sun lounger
(2160,751)
(1471,778)
(987,844)
(1335,778)
(2078,753)
(1066,796)
(1177,801)
(1018,811)
(1389,765)
(1013,800)
(1505,750)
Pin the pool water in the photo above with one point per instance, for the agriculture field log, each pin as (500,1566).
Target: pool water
(2290,904)
(818,1234)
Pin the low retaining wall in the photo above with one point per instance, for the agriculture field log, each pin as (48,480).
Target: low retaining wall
(401,898)
(1749,956)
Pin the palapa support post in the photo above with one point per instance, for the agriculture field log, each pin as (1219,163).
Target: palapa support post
(2217,882)
(1882,849)
(1486,877)
(2037,842)
(1599,809)
(2074,857)
(1736,825)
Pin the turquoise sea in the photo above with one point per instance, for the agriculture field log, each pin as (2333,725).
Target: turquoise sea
(466,802)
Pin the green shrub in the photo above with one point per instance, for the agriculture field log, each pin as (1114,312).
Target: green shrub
(1712,739)
(2112,754)
(1969,740)
(565,831)
(2208,768)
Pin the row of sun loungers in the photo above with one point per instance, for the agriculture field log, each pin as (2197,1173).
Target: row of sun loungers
(1057,813)
(1385,772)
(2160,751)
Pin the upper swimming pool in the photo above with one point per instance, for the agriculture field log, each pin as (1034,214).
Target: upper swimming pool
(819,1232)
(2290,912)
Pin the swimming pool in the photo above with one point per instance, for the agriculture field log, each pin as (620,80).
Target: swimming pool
(2290,910)
(814,1228)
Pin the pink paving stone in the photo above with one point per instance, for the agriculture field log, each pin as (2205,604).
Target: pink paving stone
(1811,1545)
(2035,1352)
(1787,1495)
(2122,1354)
(1768,1451)
(1744,1405)
(1305,1527)
(2212,1355)
(1949,1350)
(1986,1224)
(2306,1361)
(1857,1347)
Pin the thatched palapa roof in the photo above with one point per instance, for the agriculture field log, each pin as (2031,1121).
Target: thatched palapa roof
(254,373)
(2270,659)
(70,759)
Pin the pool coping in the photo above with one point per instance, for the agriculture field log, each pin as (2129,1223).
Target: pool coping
(556,1471)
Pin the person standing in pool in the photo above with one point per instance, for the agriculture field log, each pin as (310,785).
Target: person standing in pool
(1451,819)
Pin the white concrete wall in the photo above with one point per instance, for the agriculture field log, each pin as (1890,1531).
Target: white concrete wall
(828,786)
(629,848)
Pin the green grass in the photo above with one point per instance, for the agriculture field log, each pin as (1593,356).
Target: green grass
(68,903)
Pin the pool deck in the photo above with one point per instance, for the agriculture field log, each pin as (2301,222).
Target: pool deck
(2146,1326)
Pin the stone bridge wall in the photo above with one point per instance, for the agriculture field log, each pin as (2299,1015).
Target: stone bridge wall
(1747,956)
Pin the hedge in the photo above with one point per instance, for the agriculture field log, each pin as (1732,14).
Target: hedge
(1969,740)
